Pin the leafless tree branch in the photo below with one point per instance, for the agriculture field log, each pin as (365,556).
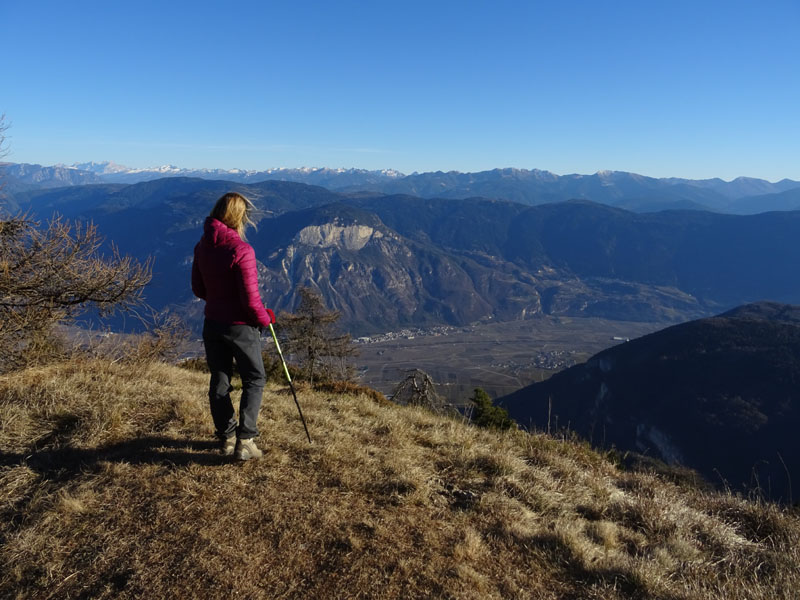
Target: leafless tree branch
(52,274)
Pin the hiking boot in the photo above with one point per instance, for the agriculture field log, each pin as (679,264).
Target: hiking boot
(247,449)
(228,446)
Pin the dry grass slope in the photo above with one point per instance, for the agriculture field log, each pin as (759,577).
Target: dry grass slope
(110,487)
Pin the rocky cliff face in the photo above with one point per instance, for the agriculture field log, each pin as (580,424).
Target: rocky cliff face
(348,237)
(379,280)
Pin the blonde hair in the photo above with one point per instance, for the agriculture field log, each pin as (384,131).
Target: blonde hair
(234,210)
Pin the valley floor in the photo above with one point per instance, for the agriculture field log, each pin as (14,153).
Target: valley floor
(499,357)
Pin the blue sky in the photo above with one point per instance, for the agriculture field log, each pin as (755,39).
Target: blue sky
(663,88)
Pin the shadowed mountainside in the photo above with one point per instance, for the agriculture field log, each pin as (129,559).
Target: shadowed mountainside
(720,395)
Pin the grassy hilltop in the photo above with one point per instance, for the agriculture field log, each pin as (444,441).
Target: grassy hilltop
(110,487)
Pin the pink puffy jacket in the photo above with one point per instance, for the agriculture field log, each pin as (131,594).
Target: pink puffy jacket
(224,275)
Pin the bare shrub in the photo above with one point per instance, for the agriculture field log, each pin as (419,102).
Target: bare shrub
(162,340)
(166,333)
(352,389)
(52,274)
(42,347)
(418,389)
(195,363)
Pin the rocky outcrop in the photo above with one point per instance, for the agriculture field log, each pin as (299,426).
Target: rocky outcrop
(349,237)
(379,280)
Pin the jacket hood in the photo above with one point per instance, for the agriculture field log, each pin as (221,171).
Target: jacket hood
(216,233)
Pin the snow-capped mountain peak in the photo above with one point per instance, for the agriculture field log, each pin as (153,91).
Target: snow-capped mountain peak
(329,177)
(101,168)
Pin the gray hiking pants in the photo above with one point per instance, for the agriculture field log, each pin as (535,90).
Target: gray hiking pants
(224,344)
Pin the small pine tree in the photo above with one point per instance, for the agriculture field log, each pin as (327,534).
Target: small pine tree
(486,414)
(312,337)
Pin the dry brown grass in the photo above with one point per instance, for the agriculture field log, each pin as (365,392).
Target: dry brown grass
(111,488)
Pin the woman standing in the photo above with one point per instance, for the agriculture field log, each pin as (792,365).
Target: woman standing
(224,275)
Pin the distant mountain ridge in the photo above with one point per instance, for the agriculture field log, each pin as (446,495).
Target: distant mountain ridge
(25,177)
(532,187)
(388,262)
(616,188)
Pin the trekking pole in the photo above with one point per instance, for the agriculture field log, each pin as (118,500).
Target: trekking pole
(289,379)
